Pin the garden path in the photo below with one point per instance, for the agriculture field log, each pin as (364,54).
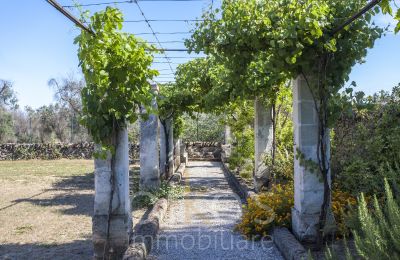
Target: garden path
(201,226)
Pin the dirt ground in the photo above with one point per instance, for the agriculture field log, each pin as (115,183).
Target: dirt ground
(46,209)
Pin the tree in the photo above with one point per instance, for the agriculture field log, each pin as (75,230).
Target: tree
(8,100)
(6,126)
(8,96)
(68,92)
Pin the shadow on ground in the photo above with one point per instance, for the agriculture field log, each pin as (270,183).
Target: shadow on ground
(78,249)
(76,193)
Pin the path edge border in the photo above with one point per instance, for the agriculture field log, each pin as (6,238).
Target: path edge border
(240,188)
(287,244)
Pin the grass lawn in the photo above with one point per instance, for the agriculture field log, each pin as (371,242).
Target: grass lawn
(46,209)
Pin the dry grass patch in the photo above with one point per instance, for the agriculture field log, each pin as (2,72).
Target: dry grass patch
(45,209)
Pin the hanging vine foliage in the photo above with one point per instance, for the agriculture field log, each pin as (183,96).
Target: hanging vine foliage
(266,43)
(116,67)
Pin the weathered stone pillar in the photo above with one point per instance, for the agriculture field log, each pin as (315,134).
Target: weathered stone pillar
(263,134)
(227,135)
(170,144)
(163,151)
(308,186)
(150,151)
(112,187)
(177,153)
(183,154)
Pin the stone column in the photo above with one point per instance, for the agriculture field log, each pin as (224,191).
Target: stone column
(183,153)
(170,144)
(227,135)
(150,151)
(177,153)
(163,151)
(114,169)
(263,134)
(308,186)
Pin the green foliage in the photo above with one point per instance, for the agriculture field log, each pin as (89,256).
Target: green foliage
(146,199)
(242,155)
(117,71)
(178,127)
(387,9)
(134,132)
(240,118)
(365,147)
(379,234)
(282,167)
(6,126)
(261,44)
(202,127)
(8,96)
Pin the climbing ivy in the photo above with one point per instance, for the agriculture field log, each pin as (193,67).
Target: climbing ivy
(116,67)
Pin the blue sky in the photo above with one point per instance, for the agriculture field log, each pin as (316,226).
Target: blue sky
(37,44)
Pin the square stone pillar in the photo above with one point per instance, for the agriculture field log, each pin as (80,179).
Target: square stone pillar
(183,153)
(308,185)
(170,144)
(227,135)
(177,153)
(150,150)
(263,134)
(113,169)
(163,151)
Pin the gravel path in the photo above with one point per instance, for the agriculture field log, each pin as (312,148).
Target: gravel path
(201,225)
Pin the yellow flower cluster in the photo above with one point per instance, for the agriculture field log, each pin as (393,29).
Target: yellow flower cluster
(273,208)
(266,210)
(342,203)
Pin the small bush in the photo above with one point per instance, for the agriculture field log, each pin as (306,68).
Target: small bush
(266,210)
(273,208)
(246,174)
(379,234)
(146,199)
(343,204)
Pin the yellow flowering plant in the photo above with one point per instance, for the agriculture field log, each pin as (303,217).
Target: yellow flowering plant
(273,208)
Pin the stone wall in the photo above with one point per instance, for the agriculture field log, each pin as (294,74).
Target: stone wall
(204,150)
(54,151)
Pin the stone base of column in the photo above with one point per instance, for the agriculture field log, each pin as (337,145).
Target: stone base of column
(305,226)
(120,228)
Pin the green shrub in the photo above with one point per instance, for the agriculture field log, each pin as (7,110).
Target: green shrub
(146,199)
(366,143)
(246,173)
(243,150)
(379,233)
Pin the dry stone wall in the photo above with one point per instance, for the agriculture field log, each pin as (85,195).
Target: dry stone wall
(54,151)
(204,150)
